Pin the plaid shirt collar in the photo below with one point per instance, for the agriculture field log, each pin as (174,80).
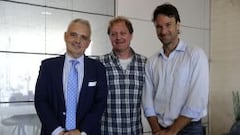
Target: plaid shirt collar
(116,59)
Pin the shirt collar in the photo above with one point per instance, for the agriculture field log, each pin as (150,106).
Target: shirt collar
(115,58)
(181,47)
(79,59)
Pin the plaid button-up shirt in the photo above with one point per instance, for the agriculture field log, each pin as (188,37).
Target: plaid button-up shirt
(123,113)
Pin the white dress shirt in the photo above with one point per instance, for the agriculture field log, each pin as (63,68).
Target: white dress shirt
(177,85)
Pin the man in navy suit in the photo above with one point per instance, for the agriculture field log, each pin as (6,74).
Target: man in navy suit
(51,87)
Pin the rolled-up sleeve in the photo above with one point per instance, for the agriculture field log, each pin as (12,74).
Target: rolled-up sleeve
(148,92)
(197,103)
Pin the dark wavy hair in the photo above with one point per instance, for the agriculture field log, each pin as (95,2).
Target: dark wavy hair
(168,10)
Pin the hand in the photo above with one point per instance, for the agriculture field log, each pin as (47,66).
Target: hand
(167,132)
(73,132)
(164,132)
(159,132)
(61,133)
(156,133)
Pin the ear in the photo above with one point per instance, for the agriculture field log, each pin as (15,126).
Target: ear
(88,43)
(65,36)
(178,27)
(131,36)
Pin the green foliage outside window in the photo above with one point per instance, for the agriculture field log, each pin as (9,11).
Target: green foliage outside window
(236,105)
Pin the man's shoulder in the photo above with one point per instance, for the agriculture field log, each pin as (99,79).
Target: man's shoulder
(195,50)
(53,59)
(140,56)
(93,61)
(106,58)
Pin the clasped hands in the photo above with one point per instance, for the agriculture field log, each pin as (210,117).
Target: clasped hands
(164,132)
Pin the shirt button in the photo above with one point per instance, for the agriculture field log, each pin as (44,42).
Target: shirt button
(64,113)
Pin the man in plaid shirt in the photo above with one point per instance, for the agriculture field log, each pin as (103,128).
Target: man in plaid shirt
(126,75)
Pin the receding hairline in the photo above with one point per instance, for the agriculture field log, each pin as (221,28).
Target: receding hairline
(80,21)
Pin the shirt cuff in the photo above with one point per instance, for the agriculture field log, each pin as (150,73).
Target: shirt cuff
(149,111)
(57,131)
(196,114)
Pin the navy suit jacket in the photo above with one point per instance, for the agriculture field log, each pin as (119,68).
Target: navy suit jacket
(50,102)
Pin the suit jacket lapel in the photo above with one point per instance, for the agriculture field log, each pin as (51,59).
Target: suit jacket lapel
(83,94)
(59,79)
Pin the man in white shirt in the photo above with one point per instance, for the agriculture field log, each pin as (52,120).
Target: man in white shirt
(177,80)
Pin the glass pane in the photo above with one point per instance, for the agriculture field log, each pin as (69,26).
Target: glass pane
(65,4)
(18,75)
(95,6)
(38,2)
(19,119)
(22,29)
(105,7)
(30,31)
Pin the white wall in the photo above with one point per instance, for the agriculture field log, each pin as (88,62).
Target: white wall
(225,63)
(194,16)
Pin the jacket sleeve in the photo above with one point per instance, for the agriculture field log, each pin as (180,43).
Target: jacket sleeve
(42,102)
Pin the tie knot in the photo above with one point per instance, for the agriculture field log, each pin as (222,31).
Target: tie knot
(74,62)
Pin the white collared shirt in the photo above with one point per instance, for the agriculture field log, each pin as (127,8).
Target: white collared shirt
(177,85)
(66,70)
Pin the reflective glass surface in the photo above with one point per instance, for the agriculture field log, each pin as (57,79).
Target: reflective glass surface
(33,30)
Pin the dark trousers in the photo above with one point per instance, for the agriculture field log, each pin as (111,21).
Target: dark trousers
(193,128)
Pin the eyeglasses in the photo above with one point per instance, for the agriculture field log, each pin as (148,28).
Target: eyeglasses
(82,37)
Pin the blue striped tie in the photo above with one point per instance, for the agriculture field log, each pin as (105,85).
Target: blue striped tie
(72,89)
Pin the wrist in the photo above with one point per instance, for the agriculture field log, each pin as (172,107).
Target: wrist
(156,131)
(173,131)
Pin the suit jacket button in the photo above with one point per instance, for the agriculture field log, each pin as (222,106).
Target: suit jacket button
(64,113)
